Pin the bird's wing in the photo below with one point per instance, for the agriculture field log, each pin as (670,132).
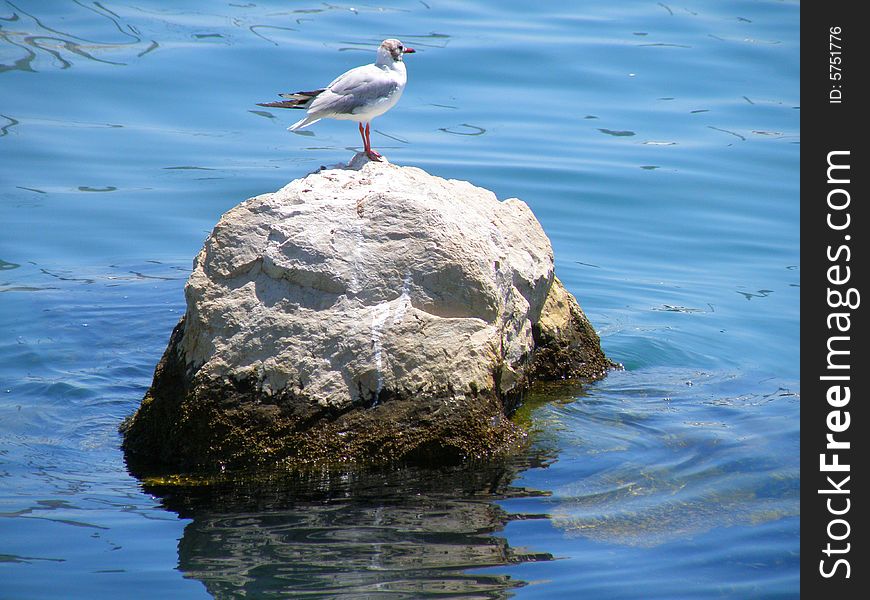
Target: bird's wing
(354,90)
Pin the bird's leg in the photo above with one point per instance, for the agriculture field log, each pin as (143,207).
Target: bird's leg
(362,134)
(372,154)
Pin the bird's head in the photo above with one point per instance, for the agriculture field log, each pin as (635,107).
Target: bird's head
(393,50)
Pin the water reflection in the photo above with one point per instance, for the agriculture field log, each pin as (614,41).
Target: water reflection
(255,30)
(403,533)
(34,39)
(10,123)
(28,38)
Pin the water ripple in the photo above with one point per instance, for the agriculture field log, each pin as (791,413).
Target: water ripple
(4,130)
(667,467)
(470,130)
(32,38)
(684,463)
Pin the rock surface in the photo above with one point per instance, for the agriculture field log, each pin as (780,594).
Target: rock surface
(365,313)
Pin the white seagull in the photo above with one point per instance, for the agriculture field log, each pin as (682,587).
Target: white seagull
(360,94)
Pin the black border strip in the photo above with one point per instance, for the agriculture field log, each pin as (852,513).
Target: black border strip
(834,224)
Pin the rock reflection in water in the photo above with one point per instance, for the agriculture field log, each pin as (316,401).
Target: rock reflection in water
(403,533)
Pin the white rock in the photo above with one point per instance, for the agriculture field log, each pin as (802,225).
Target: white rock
(346,283)
(370,311)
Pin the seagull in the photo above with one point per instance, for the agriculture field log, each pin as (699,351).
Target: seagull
(360,94)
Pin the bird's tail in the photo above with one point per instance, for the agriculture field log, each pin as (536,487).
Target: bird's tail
(296,100)
(308,120)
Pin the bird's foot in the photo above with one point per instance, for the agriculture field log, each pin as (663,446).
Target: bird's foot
(374,155)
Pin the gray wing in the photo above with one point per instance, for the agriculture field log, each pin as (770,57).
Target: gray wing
(353,91)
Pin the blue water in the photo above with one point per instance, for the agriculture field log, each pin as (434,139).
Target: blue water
(657,143)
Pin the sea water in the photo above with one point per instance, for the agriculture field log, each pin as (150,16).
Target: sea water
(657,143)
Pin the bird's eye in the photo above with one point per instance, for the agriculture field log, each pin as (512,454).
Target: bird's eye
(401,47)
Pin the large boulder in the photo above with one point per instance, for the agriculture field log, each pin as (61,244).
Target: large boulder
(365,313)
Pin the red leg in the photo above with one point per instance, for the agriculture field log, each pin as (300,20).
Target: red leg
(373,155)
(364,140)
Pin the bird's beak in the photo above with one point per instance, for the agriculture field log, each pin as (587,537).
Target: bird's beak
(408,50)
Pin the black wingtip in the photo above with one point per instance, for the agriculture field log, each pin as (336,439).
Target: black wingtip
(282,104)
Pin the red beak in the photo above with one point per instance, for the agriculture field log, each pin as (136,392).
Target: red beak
(408,50)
